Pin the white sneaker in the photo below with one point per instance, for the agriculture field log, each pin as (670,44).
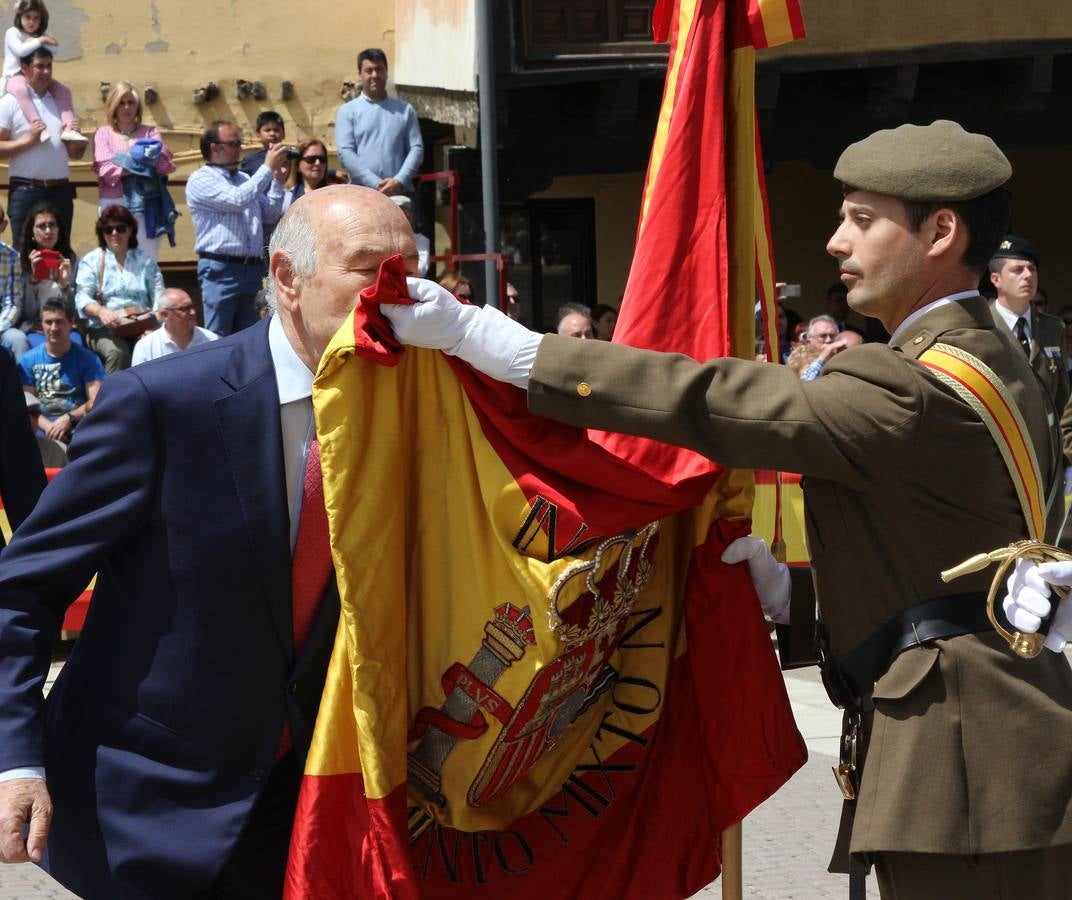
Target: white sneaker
(45,137)
(73,137)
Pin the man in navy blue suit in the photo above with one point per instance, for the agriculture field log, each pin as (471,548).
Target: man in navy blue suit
(164,741)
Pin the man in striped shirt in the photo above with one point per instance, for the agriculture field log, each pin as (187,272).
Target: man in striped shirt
(11,336)
(229,210)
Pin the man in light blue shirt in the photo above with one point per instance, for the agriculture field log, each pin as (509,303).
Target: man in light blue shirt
(229,210)
(378,138)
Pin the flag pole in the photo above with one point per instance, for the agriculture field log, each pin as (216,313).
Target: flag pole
(732,842)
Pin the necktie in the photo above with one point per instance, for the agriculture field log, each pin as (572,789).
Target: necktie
(311,568)
(1021,335)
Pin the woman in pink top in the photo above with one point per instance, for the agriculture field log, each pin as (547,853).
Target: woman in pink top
(125,126)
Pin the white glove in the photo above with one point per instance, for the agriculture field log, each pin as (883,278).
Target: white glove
(770,577)
(1027,602)
(481,336)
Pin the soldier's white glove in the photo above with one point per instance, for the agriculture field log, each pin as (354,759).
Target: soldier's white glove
(770,577)
(1027,602)
(482,336)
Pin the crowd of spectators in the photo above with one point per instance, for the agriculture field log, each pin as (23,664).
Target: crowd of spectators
(117,305)
(806,346)
(70,322)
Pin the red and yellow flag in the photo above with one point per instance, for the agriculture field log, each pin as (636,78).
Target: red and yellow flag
(703,242)
(544,682)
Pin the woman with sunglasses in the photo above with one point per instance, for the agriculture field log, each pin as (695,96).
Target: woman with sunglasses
(312,171)
(118,285)
(47,265)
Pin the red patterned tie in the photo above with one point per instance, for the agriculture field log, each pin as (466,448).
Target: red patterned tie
(311,568)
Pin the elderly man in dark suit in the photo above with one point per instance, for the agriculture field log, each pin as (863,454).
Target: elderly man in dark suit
(173,740)
(967,787)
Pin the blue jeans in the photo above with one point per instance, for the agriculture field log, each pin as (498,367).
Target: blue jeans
(21,197)
(227,293)
(15,341)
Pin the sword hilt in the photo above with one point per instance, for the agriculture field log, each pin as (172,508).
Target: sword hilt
(1026,645)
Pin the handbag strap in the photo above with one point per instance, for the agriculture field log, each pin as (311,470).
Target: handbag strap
(981,388)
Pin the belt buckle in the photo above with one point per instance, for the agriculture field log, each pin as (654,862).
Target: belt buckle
(845,772)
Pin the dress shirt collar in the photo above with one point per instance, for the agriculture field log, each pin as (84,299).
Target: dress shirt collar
(1009,317)
(901,329)
(293,379)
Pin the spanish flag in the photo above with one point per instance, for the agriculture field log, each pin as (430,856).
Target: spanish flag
(544,682)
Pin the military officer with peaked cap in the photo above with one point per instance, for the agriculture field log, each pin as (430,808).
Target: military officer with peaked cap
(967,787)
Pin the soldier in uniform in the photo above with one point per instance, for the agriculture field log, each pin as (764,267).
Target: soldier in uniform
(967,787)
(1014,273)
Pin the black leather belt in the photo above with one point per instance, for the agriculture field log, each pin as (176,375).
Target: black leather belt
(850,678)
(40,182)
(237,260)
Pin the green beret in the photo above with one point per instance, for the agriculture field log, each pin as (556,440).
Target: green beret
(940,161)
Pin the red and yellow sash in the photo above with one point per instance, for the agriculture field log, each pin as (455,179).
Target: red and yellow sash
(981,388)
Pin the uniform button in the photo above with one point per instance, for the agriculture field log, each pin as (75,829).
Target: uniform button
(584,389)
(918,339)
(257,774)
(294,688)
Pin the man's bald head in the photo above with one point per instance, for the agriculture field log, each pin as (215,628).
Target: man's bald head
(177,313)
(173,296)
(327,209)
(326,249)
(576,325)
(339,204)
(851,338)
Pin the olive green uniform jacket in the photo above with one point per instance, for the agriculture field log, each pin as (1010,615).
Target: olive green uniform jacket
(970,746)
(1048,357)
(1049,360)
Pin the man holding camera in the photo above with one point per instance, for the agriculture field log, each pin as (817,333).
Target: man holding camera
(230,210)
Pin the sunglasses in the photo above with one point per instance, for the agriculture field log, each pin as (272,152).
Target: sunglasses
(46,226)
(314,159)
(185,308)
(115,229)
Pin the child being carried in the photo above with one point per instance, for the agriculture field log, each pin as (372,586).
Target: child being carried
(23,38)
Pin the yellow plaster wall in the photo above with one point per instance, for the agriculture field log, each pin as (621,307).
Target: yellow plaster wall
(617,204)
(178,45)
